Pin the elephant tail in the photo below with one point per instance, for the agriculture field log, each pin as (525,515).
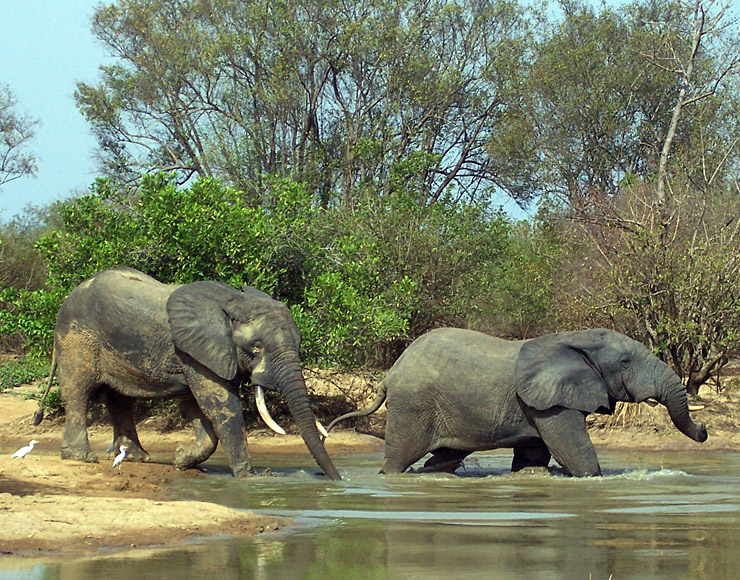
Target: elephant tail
(374,406)
(38,416)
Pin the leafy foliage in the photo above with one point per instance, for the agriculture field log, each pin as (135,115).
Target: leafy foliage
(16,130)
(340,155)
(392,268)
(21,370)
(597,105)
(362,282)
(524,298)
(175,235)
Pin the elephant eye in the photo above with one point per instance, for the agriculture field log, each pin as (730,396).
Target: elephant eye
(626,362)
(257,347)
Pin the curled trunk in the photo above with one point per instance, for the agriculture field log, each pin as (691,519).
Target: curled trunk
(293,388)
(674,398)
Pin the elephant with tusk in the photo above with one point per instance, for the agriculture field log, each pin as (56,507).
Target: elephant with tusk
(454,391)
(121,335)
(259,399)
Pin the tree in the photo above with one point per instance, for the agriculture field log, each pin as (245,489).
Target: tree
(177,235)
(21,267)
(680,293)
(390,269)
(619,96)
(362,281)
(20,264)
(700,49)
(16,130)
(329,93)
(659,245)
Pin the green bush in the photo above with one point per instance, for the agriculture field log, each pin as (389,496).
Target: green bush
(390,268)
(362,281)
(521,305)
(22,370)
(204,232)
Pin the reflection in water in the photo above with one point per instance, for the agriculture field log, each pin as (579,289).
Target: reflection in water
(678,516)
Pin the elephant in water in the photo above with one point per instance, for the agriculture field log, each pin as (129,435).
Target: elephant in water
(454,391)
(121,334)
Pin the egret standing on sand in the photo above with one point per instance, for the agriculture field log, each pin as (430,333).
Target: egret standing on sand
(119,458)
(23,451)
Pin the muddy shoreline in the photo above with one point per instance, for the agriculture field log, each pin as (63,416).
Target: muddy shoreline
(57,508)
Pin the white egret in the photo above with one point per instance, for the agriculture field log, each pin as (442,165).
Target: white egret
(23,451)
(119,458)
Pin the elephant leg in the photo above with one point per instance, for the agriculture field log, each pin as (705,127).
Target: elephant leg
(206,440)
(220,403)
(399,457)
(404,446)
(564,432)
(532,454)
(121,410)
(445,459)
(77,385)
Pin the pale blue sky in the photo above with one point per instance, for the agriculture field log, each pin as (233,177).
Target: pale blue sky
(46,46)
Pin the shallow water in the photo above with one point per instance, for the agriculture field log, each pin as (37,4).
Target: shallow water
(654,515)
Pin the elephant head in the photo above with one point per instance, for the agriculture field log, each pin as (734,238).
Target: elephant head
(592,369)
(247,336)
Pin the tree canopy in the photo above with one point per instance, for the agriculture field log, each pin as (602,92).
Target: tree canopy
(328,93)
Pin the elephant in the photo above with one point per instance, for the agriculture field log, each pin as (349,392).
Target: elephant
(456,391)
(122,334)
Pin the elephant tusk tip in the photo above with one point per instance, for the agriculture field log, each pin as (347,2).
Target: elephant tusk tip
(696,407)
(259,397)
(322,429)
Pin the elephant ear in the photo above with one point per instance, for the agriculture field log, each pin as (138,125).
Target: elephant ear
(200,326)
(555,371)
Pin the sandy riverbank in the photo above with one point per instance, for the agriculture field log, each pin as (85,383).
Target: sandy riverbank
(68,507)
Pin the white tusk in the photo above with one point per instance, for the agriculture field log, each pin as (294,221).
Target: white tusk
(652,402)
(322,429)
(696,407)
(259,398)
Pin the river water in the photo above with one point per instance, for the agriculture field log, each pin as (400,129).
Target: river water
(654,515)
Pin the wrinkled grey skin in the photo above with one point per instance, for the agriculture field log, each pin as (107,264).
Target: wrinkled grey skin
(453,392)
(121,335)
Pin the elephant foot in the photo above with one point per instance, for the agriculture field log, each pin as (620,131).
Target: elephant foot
(533,470)
(242,470)
(185,459)
(138,455)
(445,460)
(85,455)
(189,457)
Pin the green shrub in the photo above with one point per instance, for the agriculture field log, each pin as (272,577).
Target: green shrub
(362,281)
(22,370)
(204,232)
(390,269)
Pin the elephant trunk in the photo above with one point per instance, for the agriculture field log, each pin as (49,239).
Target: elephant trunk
(674,398)
(293,388)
